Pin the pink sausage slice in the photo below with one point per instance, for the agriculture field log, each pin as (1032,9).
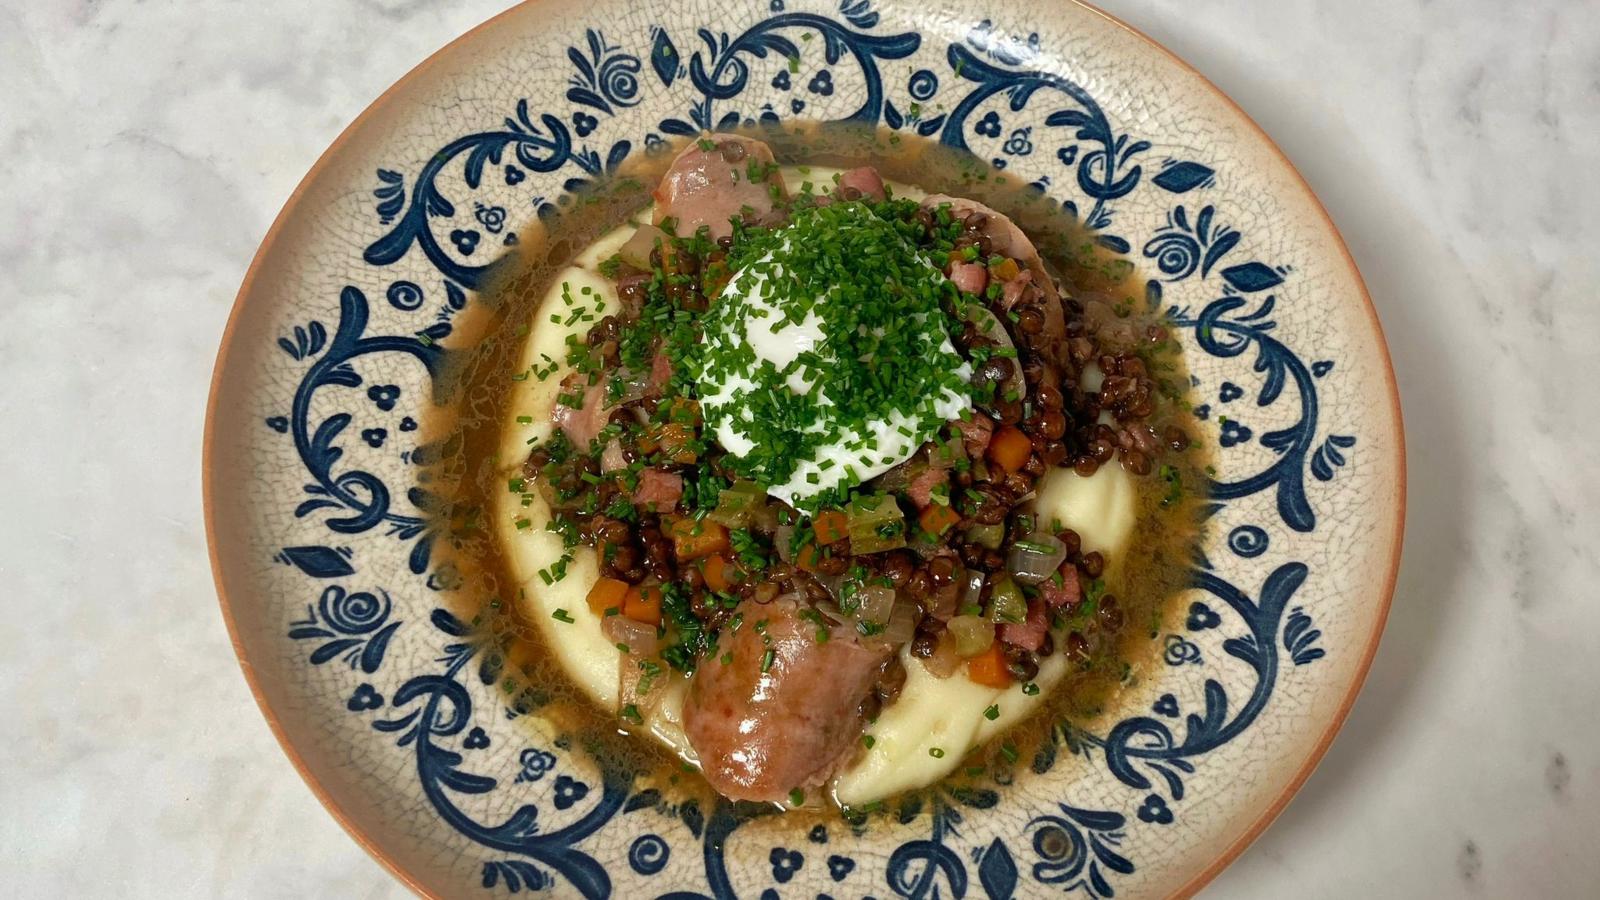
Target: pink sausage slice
(711,187)
(761,734)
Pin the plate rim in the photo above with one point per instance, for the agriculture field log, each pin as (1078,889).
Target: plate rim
(209,452)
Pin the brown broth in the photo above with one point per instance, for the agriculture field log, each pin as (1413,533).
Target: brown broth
(463,433)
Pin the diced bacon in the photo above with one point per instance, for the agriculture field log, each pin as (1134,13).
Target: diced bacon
(660,372)
(1067,593)
(969,277)
(922,484)
(865,181)
(975,428)
(1028,634)
(581,424)
(658,489)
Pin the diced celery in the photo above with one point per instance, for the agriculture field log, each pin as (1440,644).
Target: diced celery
(972,634)
(875,524)
(1006,603)
(990,536)
(737,503)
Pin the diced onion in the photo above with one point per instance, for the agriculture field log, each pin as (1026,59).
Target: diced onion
(875,603)
(945,600)
(639,637)
(830,612)
(902,625)
(611,459)
(782,539)
(635,385)
(972,594)
(945,660)
(1035,557)
(636,252)
(833,584)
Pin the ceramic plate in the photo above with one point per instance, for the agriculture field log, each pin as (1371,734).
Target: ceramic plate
(389,704)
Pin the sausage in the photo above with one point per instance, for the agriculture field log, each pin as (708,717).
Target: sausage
(1006,239)
(863,182)
(712,187)
(761,734)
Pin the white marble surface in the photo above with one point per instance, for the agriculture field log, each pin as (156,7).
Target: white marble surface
(148,145)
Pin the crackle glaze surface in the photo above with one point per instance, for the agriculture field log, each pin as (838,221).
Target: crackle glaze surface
(390,702)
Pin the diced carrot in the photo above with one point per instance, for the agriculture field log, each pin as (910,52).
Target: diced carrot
(684,411)
(831,525)
(989,668)
(675,441)
(1009,448)
(694,540)
(643,604)
(607,593)
(1005,269)
(807,556)
(936,519)
(718,574)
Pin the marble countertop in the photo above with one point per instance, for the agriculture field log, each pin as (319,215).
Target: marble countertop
(149,145)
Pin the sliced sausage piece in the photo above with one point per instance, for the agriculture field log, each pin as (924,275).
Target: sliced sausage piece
(711,187)
(761,734)
(861,183)
(1006,239)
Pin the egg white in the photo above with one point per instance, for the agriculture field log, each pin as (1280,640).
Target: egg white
(931,712)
